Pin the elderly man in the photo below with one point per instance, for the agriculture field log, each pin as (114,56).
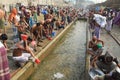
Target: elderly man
(95,49)
(94,45)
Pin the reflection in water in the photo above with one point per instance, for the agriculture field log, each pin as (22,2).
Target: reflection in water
(67,59)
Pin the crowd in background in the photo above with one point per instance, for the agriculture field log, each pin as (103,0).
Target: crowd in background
(106,18)
(26,22)
(31,25)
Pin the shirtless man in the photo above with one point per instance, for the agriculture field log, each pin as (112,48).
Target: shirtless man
(59,24)
(95,49)
(93,45)
(37,32)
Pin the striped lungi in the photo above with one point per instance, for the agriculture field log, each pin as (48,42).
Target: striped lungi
(4,68)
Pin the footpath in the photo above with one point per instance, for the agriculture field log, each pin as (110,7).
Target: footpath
(112,41)
(115,33)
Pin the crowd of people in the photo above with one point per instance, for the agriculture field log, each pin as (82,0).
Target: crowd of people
(103,19)
(25,23)
(29,29)
(109,65)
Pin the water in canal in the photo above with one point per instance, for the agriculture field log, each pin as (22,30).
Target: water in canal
(67,60)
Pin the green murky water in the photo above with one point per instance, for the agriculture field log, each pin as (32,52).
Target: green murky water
(67,59)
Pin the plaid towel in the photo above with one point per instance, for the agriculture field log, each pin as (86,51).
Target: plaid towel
(4,68)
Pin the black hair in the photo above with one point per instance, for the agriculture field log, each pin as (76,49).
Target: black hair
(29,39)
(21,7)
(53,20)
(21,16)
(4,37)
(108,57)
(38,24)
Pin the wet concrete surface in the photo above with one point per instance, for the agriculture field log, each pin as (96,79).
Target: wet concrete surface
(116,31)
(110,44)
(67,58)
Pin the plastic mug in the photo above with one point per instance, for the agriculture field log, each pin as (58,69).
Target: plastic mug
(37,61)
(49,38)
(33,43)
(24,37)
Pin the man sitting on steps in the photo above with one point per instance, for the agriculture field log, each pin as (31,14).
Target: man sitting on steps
(95,48)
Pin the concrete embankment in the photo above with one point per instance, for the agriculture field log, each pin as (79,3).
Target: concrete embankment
(29,68)
(88,36)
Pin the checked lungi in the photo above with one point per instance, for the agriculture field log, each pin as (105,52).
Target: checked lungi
(4,68)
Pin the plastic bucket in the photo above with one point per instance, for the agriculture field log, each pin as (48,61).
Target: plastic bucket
(99,45)
(49,38)
(53,34)
(37,61)
(24,37)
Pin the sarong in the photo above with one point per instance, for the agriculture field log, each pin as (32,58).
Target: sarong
(4,68)
(109,25)
(97,32)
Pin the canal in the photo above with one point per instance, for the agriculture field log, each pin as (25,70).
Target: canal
(67,60)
